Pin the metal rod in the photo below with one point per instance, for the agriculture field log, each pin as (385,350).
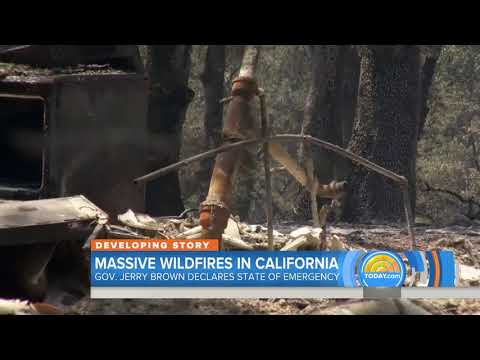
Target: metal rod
(268,176)
(277,138)
(312,184)
(295,138)
(409,216)
(208,154)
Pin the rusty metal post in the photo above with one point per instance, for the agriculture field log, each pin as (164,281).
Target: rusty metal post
(238,125)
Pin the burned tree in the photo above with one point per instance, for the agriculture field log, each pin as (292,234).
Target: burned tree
(213,81)
(390,107)
(330,110)
(168,71)
(348,73)
(319,118)
(330,106)
(430,54)
(213,78)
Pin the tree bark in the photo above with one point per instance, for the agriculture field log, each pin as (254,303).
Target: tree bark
(213,82)
(168,70)
(330,110)
(428,71)
(213,79)
(386,131)
(320,120)
(348,70)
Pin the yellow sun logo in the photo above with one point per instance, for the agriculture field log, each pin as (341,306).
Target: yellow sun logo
(381,263)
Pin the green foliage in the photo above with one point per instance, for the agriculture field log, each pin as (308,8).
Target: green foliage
(446,158)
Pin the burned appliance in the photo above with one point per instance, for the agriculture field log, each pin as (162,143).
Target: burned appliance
(73,122)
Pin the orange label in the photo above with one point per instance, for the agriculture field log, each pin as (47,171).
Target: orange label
(153,245)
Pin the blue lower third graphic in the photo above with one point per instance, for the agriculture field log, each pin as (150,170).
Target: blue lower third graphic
(271,269)
(217,269)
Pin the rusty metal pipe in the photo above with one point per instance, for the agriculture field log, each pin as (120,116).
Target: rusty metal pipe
(239,125)
(215,210)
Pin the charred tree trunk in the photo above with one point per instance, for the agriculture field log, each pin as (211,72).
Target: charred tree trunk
(386,130)
(168,70)
(348,70)
(430,55)
(213,79)
(330,110)
(320,118)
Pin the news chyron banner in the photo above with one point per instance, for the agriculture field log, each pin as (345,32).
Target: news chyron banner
(118,265)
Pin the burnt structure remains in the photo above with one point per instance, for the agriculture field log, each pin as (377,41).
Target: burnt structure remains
(73,121)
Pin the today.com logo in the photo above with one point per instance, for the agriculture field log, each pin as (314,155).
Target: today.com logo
(381,269)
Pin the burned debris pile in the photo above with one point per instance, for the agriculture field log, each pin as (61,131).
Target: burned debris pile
(55,226)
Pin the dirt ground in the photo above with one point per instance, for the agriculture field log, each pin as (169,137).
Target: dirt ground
(464,241)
